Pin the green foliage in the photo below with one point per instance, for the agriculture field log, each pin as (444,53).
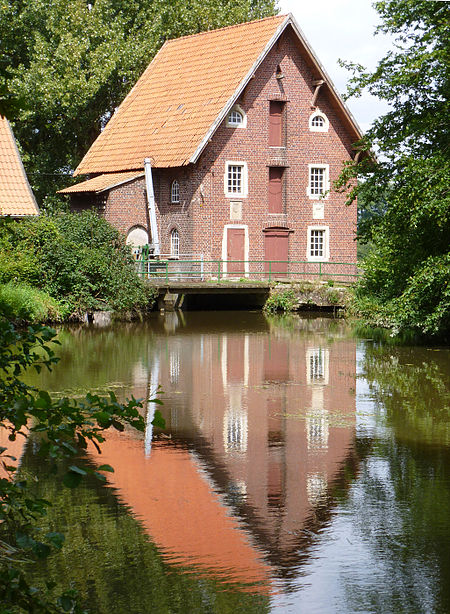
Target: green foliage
(23,302)
(63,428)
(404,196)
(78,259)
(66,65)
(280,300)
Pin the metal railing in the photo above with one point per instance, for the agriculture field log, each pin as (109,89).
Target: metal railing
(197,269)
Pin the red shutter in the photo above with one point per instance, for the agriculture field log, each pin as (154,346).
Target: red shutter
(275,123)
(276,189)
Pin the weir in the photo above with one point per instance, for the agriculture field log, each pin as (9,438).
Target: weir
(175,295)
(242,295)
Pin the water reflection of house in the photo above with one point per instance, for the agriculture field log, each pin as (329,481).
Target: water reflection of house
(271,418)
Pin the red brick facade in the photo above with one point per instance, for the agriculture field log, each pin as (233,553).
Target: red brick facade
(203,214)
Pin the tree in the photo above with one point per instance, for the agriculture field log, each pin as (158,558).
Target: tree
(68,64)
(64,428)
(406,282)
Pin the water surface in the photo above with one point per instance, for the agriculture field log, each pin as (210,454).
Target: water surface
(300,470)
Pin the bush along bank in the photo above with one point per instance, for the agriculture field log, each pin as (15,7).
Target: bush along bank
(306,295)
(60,268)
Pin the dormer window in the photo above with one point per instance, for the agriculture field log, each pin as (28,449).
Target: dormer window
(236,118)
(318,122)
(175,192)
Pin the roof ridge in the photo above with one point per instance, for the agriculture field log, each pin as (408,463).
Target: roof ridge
(235,25)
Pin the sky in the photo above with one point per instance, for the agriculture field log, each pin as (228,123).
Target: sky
(343,29)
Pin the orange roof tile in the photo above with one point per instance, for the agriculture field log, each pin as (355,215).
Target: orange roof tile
(179,97)
(102,182)
(184,94)
(16,197)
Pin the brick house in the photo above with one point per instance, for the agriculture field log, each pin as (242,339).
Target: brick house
(16,197)
(245,134)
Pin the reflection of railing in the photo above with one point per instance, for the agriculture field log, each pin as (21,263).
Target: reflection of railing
(169,268)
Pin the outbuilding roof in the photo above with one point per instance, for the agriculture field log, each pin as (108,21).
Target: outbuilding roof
(102,182)
(16,197)
(185,93)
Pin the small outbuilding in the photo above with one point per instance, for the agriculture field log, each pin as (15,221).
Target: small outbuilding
(16,197)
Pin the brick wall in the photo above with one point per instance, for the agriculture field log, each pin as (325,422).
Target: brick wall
(204,210)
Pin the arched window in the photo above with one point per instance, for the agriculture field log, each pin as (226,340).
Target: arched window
(174,243)
(175,192)
(318,122)
(236,118)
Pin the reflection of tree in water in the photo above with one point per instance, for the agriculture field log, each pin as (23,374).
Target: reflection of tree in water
(402,499)
(108,557)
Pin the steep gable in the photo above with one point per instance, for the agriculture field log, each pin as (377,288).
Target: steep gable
(178,98)
(182,97)
(16,197)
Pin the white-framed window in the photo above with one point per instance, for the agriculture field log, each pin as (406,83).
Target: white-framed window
(317,365)
(318,122)
(174,243)
(316,487)
(318,248)
(235,179)
(237,118)
(318,180)
(175,192)
(317,429)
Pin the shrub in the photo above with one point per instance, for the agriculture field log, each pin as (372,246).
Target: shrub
(78,259)
(280,300)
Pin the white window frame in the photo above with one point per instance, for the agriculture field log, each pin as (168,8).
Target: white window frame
(326,123)
(314,354)
(174,243)
(326,244)
(244,179)
(326,181)
(237,109)
(175,192)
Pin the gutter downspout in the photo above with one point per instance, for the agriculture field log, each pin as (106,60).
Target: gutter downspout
(151,206)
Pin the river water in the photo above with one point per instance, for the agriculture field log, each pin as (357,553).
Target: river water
(302,469)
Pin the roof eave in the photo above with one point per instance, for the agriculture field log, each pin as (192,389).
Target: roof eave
(94,191)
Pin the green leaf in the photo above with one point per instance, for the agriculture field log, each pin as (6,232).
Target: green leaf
(118,425)
(158,420)
(106,468)
(66,603)
(71,479)
(57,539)
(78,470)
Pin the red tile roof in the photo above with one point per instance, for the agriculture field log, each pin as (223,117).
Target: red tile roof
(185,93)
(16,197)
(102,182)
(178,98)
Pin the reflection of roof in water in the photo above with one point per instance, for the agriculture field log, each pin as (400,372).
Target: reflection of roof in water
(173,501)
(172,496)
(284,556)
